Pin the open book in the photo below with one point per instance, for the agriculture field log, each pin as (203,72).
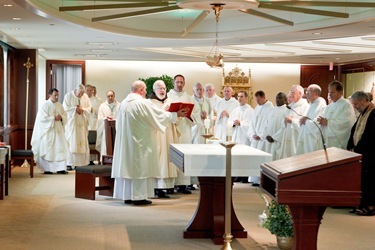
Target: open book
(176,106)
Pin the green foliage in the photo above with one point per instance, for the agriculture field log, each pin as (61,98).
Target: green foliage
(150,82)
(279,221)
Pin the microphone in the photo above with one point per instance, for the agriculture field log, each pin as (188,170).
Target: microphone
(308,118)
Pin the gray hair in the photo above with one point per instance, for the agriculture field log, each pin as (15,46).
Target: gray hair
(196,84)
(80,88)
(316,88)
(360,95)
(157,84)
(209,85)
(298,88)
(136,85)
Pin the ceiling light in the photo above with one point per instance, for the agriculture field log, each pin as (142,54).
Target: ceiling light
(7,5)
(102,50)
(317,33)
(102,43)
(16,18)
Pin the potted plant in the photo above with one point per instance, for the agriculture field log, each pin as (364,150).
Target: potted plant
(278,220)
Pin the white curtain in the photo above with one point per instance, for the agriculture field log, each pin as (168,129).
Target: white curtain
(66,78)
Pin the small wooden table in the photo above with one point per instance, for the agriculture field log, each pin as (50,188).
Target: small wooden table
(207,161)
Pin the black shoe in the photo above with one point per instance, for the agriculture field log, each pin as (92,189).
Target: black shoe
(62,172)
(255,184)
(170,190)
(190,187)
(91,163)
(237,179)
(142,202)
(161,194)
(69,168)
(128,201)
(47,172)
(183,190)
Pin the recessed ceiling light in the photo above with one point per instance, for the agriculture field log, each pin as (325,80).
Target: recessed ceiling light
(102,43)
(102,50)
(7,5)
(16,18)
(317,33)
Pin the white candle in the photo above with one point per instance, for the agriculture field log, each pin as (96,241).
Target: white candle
(207,123)
(229,129)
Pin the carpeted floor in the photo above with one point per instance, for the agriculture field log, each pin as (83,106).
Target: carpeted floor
(42,213)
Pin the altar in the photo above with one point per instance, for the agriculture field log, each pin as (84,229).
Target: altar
(207,161)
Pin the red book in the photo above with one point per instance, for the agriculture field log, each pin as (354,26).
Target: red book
(176,106)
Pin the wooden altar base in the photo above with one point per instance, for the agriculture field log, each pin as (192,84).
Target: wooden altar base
(209,218)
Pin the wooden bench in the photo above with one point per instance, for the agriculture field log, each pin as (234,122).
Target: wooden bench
(21,155)
(85,186)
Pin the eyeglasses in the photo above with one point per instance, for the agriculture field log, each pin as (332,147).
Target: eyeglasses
(240,96)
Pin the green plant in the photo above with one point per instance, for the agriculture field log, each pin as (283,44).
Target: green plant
(150,82)
(279,221)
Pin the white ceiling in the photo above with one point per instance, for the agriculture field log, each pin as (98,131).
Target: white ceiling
(242,37)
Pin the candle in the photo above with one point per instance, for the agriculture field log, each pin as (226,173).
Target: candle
(229,129)
(207,123)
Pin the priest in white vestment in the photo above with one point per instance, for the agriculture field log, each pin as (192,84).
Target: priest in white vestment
(275,125)
(95,103)
(135,150)
(107,111)
(206,114)
(48,142)
(258,130)
(184,126)
(299,107)
(224,108)
(167,170)
(309,134)
(78,108)
(209,91)
(337,119)
(241,118)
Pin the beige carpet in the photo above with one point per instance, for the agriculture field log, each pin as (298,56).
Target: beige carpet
(42,213)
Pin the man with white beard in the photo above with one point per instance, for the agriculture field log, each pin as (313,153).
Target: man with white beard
(77,106)
(184,125)
(299,107)
(107,111)
(337,119)
(167,170)
(135,150)
(224,107)
(206,114)
(275,125)
(309,133)
(48,142)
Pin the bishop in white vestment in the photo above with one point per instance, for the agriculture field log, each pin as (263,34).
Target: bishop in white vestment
(299,108)
(309,134)
(48,142)
(77,107)
(135,150)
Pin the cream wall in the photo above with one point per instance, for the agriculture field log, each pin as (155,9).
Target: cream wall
(118,75)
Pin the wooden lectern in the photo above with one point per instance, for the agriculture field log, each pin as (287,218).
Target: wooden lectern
(309,183)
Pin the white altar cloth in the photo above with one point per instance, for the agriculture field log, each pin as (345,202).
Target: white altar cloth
(209,159)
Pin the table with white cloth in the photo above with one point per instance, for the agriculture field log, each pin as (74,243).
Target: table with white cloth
(207,161)
(4,170)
